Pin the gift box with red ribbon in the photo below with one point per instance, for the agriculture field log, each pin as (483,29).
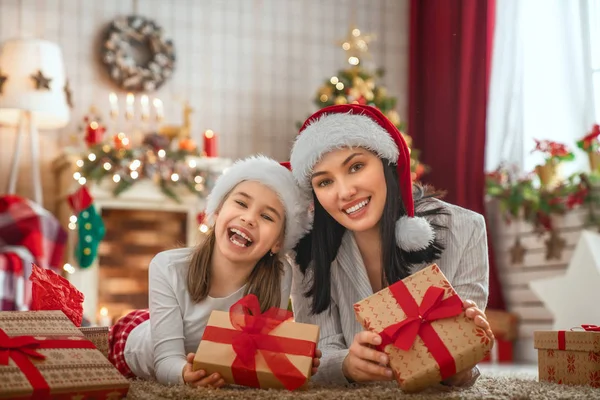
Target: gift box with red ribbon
(569,357)
(44,356)
(262,350)
(424,329)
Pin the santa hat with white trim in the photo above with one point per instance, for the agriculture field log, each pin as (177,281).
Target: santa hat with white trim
(353,125)
(276,177)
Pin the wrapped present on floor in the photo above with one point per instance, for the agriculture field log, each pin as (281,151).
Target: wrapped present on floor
(569,357)
(424,329)
(504,324)
(43,355)
(264,350)
(99,336)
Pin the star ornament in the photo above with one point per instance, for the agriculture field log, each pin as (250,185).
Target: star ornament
(573,298)
(41,82)
(356,45)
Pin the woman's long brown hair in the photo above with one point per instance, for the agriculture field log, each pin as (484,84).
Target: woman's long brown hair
(264,280)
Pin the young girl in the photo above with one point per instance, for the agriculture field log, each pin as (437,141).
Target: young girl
(257,212)
(366,236)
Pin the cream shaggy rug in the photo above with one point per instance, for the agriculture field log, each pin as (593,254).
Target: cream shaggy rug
(487,387)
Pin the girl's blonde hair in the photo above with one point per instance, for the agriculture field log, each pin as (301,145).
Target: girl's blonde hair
(264,280)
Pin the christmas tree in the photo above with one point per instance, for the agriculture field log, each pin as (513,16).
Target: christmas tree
(358,85)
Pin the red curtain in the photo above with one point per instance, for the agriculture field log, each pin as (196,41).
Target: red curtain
(450,51)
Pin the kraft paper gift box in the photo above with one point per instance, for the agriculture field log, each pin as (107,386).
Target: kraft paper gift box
(424,329)
(263,350)
(44,355)
(569,357)
(99,336)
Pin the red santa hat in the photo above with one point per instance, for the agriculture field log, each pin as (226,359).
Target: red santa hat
(353,125)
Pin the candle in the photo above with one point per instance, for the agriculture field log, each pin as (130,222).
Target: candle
(145,108)
(129,106)
(158,106)
(210,143)
(114,105)
(104,319)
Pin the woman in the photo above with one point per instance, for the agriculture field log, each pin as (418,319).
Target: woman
(367,235)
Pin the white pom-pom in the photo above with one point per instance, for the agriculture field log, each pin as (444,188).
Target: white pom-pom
(413,234)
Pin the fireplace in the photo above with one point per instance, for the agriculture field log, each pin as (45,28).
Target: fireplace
(133,238)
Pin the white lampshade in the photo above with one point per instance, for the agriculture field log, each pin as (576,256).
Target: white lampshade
(19,60)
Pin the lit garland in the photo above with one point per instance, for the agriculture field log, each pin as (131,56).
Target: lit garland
(152,160)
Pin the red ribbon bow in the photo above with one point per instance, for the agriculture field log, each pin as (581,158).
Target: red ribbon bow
(591,328)
(251,335)
(22,344)
(418,322)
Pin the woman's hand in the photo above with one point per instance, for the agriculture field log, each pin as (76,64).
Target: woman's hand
(198,378)
(469,377)
(316,362)
(365,364)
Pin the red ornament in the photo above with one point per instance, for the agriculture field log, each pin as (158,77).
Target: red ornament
(200,217)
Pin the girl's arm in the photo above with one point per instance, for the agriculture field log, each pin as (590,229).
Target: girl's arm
(166,322)
(331,338)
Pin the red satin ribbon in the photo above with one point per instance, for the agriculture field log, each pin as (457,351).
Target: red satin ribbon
(418,322)
(591,328)
(251,334)
(562,340)
(21,348)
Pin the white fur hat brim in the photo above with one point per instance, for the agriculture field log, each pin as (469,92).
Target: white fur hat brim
(336,131)
(276,177)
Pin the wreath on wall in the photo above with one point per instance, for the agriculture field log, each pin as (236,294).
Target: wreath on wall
(137,55)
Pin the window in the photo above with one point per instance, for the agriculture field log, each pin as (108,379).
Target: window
(594,27)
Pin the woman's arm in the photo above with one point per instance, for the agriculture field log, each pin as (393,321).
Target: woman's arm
(471,280)
(331,338)
(166,323)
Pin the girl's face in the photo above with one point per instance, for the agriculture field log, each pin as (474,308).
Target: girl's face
(250,223)
(350,185)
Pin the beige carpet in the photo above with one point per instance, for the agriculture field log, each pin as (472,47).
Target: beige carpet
(500,387)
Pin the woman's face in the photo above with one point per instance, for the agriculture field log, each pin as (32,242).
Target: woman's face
(250,223)
(350,185)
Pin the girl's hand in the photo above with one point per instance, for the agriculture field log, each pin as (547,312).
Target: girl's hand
(468,377)
(316,362)
(198,378)
(478,316)
(365,364)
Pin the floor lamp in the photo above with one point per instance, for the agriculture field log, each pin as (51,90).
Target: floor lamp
(33,95)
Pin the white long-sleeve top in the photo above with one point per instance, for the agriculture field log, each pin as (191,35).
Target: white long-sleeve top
(464,262)
(157,348)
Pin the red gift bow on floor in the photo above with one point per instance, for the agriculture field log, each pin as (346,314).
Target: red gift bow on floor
(20,348)
(252,334)
(418,322)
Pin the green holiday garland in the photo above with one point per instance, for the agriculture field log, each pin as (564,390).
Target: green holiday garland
(167,168)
